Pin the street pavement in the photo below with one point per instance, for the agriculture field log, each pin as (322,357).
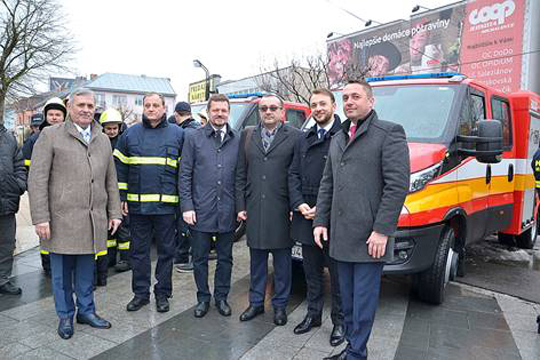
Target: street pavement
(473,323)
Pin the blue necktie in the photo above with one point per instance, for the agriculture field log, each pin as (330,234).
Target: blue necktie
(321,133)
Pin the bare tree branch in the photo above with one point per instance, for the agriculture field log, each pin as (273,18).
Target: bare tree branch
(34,41)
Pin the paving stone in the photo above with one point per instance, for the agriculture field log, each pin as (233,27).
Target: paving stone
(81,345)
(310,354)
(12,350)
(482,320)
(410,353)
(43,353)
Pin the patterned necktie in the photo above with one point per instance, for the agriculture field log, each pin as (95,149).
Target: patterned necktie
(352,131)
(321,133)
(218,135)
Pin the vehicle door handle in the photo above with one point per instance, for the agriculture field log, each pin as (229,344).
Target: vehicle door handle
(510,172)
(488,174)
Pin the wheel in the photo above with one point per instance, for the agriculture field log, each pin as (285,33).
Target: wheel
(240,230)
(431,283)
(527,239)
(506,239)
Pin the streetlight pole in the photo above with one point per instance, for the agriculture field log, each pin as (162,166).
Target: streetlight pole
(199,64)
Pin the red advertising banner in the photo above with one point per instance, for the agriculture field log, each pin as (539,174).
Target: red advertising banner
(482,39)
(492,42)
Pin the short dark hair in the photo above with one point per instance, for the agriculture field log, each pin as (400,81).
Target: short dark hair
(154,94)
(364,84)
(323,91)
(266,96)
(218,98)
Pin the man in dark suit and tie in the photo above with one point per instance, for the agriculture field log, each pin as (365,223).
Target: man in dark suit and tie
(262,200)
(364,185)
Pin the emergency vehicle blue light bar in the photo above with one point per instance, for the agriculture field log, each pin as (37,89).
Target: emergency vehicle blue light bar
(439,75)
(242,96)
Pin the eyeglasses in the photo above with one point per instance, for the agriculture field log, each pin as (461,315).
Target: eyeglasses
(272,108)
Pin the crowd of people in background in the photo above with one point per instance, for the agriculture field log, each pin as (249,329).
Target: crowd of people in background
(101,194)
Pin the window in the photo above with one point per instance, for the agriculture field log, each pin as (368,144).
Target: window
(100,100)
(478,108)
(120,100)
(139,100)
(501,111)
(253,118)
(295,118)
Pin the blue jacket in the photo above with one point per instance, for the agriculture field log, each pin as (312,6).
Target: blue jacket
(207,178)
(147,162)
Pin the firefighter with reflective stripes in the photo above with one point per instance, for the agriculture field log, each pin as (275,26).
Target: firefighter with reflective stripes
(147,159)
(536,169)
(54,112)
(112,122)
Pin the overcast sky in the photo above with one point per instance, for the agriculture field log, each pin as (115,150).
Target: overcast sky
(234,38)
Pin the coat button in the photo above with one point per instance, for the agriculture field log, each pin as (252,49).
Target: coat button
(340,213)
(219,182)
(92,181)
(263,177)
(265,158)
(218,165)
(342,163)
(218,150)
(218,198)
(263,196)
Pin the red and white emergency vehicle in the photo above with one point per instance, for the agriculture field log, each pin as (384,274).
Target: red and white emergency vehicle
(470,177)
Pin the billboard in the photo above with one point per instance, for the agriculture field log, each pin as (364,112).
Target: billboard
(480,38)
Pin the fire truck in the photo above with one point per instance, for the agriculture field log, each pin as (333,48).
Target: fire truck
(471,148)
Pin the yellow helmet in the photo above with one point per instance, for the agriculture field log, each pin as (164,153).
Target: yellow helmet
(110,116)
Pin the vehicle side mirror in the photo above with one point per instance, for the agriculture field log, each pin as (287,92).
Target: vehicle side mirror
(488,142)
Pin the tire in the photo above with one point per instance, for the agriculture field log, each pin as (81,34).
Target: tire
(506,239)
(240,230)
(527,239)
(431,284)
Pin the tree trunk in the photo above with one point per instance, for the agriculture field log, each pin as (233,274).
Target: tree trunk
(2,107)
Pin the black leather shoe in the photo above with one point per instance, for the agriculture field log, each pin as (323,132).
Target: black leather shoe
(223,307)
(280,317)
(341,356)
(94,321)
(122,266)
(251,312)
(65,328)
(338,335)
(307,324)
(137,303)
(10,289)
(162,304)
(101,281)
(201,309)
(538,322)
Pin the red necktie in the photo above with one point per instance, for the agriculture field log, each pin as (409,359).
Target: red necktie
(352,131)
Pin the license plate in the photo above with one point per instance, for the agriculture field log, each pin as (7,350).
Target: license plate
(297,252)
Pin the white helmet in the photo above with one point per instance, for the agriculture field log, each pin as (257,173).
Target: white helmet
(110,116)
(54,103)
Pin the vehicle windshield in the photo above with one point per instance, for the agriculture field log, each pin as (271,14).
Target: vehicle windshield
(422,110)
(237,109)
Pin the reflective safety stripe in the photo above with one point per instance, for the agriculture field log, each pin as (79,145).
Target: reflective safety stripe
(145,160)
(101,253)
(111,243)
(538,184)
(44,252)
(27,162)
(123,158)
(122,186)
(140,160)
(153,197)
(123,246)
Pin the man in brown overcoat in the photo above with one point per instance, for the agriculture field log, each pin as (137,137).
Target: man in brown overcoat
(74,200)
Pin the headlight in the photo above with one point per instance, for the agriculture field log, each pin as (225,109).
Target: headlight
(421,178)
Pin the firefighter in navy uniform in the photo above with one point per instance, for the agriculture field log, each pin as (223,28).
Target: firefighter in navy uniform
(112,123)
(147,158)
(54,112)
